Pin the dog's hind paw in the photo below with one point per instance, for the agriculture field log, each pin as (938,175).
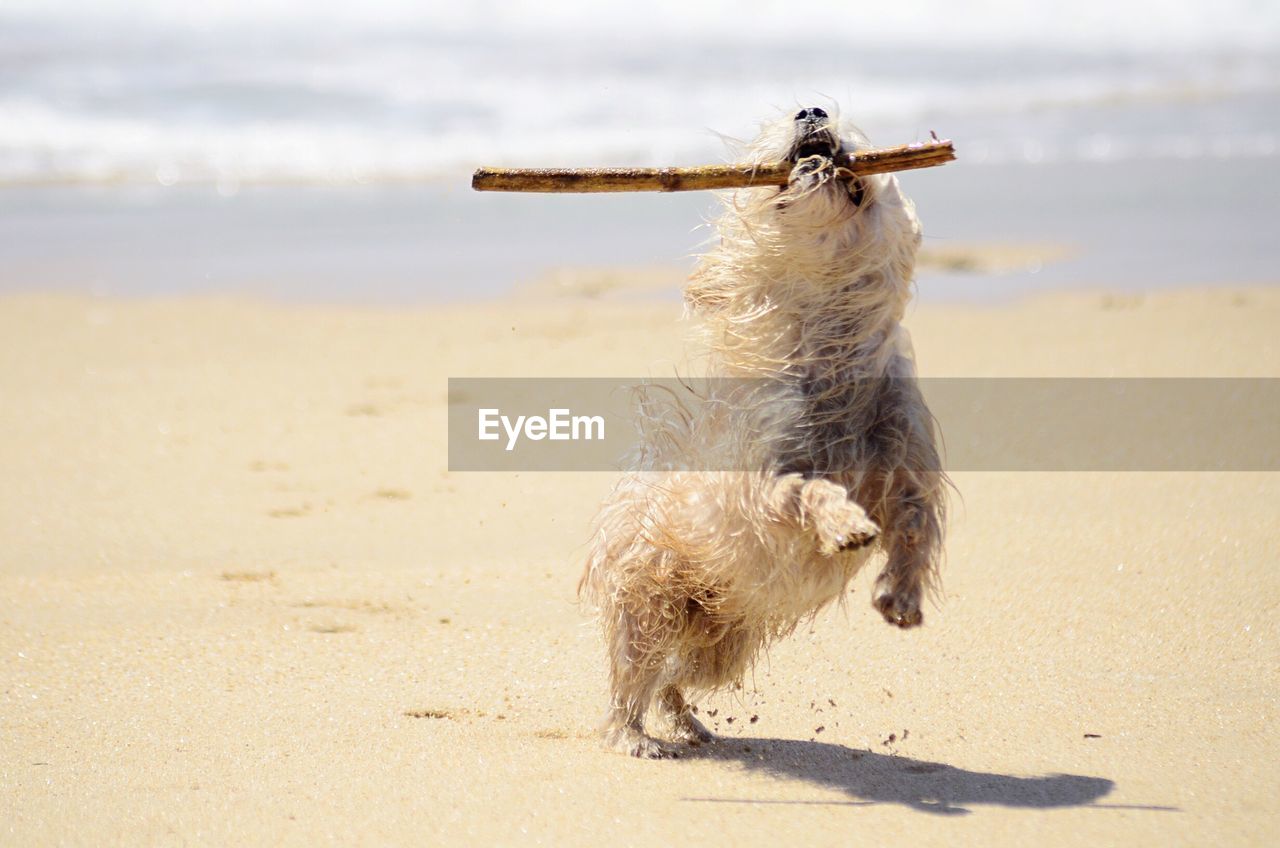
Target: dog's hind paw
(648,748)
(640,744)
(691,731)
(900,608)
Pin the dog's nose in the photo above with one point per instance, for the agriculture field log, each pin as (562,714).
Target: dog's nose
(812,115)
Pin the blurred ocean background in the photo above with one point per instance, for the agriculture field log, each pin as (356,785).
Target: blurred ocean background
(321,150)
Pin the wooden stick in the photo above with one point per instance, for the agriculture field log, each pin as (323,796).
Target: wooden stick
(876,161)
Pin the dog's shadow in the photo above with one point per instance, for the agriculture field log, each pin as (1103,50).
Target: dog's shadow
(871,778)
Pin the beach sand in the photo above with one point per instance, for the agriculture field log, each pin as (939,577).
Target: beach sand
(245,602)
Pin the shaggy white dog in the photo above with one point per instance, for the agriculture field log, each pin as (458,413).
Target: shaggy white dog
(811,450)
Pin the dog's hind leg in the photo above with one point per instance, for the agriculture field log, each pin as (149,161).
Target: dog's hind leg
(686,728)
(636,658)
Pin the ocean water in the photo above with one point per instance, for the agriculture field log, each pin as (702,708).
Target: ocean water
(282,90)
(321,149)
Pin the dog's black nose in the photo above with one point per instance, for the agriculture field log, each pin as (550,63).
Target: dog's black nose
(812,115)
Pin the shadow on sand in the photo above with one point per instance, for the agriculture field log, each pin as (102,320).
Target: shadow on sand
(869,778)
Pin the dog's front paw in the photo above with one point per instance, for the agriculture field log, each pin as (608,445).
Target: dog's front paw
(899,605)
(838,522)
(847,528)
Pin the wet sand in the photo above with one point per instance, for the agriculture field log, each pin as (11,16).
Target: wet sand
(994,232)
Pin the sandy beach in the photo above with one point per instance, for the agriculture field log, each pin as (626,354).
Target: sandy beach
(248,596)
(246,602)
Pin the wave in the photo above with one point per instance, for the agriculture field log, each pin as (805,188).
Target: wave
(245,92)
(1088,24)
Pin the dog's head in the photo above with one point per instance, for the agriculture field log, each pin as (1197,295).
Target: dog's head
(826,231)
(813,134)
(816,144)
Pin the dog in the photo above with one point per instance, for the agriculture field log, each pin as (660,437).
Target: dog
(812,452)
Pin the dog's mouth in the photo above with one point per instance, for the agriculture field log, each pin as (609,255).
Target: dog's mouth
(827,147)
(813,136)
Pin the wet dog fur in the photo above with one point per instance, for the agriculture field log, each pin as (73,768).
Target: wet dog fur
(831,451)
